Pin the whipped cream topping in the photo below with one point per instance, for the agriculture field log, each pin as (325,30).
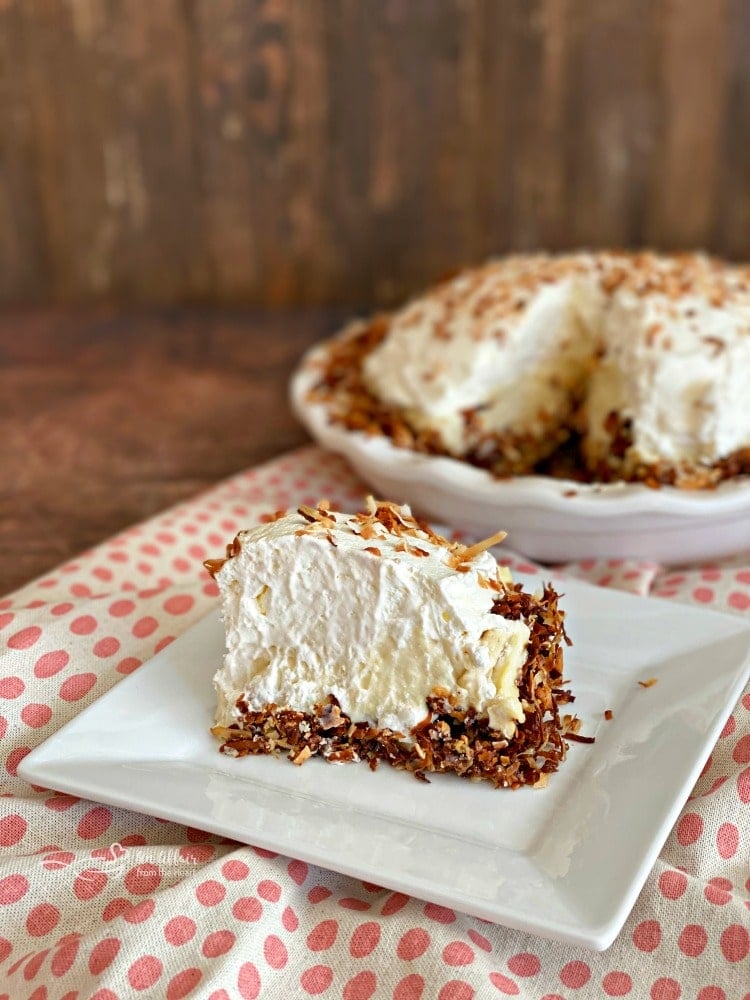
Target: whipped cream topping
(675,366)
(470,343)
(372,609)
(662,341)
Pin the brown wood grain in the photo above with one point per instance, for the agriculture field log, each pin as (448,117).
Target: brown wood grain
(107,418)
(320,151)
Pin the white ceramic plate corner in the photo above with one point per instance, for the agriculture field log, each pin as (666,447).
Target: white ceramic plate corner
(547,519)
(567,862)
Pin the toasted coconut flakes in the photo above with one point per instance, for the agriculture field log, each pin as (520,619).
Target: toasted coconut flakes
(373,549)
(302,756)
(649,683)
(609,714)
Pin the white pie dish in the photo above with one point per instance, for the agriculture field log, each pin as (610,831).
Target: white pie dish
(548,519)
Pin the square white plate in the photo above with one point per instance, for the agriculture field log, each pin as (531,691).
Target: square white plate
(566,862)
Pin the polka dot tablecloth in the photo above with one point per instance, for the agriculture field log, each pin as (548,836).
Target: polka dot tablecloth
(97,902)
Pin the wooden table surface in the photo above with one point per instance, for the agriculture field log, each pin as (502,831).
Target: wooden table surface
(107,418)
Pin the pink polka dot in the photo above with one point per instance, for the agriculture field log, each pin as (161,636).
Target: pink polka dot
(727,840)
(133,840)
(741,752)
(441,914)
(410,987)
(65,956)
(6,618)
(14,758)
(121,608)
(360,987)
(103,955)
(113,852)
(413,944)
(458,953)
(219,995)
(666,988)
(83,625)
(712,993)
(297,871)
(274,952)
(197,836)
(33,966)
(183,983)
(647,935)
(115,908)
(738,600)
(36,715)
(145,972)
(143,879)
(289,920)
(247,908)
(692,940)
(179,930)
(180,604)
(61,802)
(505,985)
(316,979)
(25,638)
(77,686)
(524,964)
(218,943)
(11,687)
(140,912)
(735,943)
(704,595)
(89,883)
(672,884)
(479,940)
(51,663)
(743,785)
(13,888)
(163,643)
(12,829)
(57,860)
(617,984)
(248,981)
(689,828)
(323,935)
(106,647)
(235,871)
(210,893)
(352,903)
(575,974)
(94,823)
(128,665)
(729,727)
(318,893)
(42,919)
(718,891)
(5,948)
(197,853)
(269,890)
(364,940)
(104,994)
(80,590)
(145,626)
(395,902)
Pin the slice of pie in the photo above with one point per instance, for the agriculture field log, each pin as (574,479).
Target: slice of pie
(371,637)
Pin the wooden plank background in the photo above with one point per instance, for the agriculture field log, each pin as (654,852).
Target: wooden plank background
(280,152)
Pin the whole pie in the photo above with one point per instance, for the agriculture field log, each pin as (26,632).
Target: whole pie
(608,366)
